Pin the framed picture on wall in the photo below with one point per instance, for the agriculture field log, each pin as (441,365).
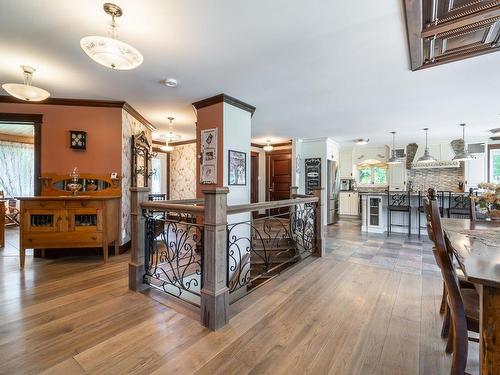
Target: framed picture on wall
(78,139)
(208,167)
(237,168)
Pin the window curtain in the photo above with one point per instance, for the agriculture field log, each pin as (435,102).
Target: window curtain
(16,168)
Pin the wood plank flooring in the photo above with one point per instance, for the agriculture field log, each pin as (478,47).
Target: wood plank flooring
(351,312)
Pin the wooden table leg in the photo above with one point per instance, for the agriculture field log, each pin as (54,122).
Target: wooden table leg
(489,321)
(117,247)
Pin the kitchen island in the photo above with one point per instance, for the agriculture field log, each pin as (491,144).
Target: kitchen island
(374,213)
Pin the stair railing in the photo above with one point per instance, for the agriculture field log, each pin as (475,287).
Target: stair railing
(195,251)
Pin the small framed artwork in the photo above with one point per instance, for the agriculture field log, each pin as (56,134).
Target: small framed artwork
(237,168)
(78,139)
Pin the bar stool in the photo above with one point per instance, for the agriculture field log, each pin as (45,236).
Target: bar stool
(459,204)
(399,202)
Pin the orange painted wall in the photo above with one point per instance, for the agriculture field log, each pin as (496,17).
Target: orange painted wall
(104,138)
(209,118)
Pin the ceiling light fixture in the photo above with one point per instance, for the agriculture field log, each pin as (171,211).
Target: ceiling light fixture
(109,51)
(26,91)
(393,159)
(426,157)
(169,137)
(268,147)
(462,154)
(361,141)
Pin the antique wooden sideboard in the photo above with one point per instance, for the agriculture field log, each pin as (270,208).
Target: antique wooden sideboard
(60,220)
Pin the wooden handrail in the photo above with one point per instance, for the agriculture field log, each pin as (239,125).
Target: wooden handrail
(160,206)
(239,208)
(301,196)
(183,201)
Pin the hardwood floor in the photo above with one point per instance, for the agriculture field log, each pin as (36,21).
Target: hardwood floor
(348,313)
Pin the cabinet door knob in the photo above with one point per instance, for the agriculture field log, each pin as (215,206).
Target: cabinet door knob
(94,238)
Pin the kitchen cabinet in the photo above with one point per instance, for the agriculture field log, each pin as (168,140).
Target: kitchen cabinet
(345,164)
(397,176)
(349,203)
(475,171)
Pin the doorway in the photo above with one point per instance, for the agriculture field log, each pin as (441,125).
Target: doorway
(279,174)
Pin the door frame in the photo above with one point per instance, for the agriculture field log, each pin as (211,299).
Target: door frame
(254,180)
(36,120)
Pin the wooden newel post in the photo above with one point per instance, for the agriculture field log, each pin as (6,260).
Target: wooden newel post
(215,293)
(320,243)
(138,239)
(293,190)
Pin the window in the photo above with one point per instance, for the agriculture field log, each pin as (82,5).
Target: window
(372,175)
(16,166)
(495,165)
(156,177)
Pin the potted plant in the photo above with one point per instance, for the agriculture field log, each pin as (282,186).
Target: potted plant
(488,201)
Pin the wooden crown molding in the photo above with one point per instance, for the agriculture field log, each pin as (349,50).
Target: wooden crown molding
(451,32)
(289,143)
(226,99)
(84,103)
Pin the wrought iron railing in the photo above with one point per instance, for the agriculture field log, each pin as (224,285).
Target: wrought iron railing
(174,253)
(259,249)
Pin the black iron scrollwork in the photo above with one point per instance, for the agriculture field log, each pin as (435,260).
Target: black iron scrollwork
(261,248)
(174,254)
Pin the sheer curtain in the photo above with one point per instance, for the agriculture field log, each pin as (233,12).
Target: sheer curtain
(16,168)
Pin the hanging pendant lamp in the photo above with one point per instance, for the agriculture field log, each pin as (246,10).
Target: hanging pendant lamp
(26,91)
(462,154)
(169,137)
(109,51)
(393,159)
(426,157)
(268,147)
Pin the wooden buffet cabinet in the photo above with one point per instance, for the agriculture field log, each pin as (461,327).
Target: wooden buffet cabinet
(68,222)
(59,220)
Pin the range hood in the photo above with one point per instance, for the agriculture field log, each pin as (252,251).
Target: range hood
(443,152)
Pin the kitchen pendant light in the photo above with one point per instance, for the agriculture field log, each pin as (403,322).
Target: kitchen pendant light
(109,51)
(26,91)
(169,137)
(462,154)
(426,157)
(393,159)
(268,147)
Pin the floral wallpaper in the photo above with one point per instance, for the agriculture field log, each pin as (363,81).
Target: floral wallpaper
(130,126)
(183,172)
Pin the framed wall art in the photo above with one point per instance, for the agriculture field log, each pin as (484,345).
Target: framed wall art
(237,168)
(208,168)
(78,139)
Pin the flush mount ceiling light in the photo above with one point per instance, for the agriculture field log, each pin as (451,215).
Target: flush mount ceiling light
(268,147)
(169,82)
(393,159)
(426,157)
(361,141)
(169,137)
(26,91)
(109,51)
(462,154)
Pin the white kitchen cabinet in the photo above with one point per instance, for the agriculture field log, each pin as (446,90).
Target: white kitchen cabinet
(346,165)
(475,171)
(397,176)
(348,203)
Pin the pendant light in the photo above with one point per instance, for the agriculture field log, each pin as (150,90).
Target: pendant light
(109,51)
(268,147)
(169,137)
(26,91)
(393,159)
(462,154)
(426,157)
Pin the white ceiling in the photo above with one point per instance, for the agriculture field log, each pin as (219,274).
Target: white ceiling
(312,68)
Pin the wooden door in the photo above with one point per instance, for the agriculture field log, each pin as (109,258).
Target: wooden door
(254,177)
(280,175)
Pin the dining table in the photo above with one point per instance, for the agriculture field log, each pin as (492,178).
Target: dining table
(476,246)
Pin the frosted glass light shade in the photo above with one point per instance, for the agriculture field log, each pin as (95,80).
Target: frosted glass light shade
(167,148)
(268,148)
(26,92)
(111,53)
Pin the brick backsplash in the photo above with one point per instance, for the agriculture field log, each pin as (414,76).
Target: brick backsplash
(440,178)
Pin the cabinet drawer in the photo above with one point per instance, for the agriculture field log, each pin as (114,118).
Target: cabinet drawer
(84,204)
(42,204)
(66,239)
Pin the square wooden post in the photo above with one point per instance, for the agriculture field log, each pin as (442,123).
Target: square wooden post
(318,227)
(138,239)
(293,190)
(215,293)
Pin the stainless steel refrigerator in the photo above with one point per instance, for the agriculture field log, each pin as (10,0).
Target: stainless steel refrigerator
(333,187)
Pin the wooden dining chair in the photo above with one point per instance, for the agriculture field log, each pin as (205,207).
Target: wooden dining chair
(462,303)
